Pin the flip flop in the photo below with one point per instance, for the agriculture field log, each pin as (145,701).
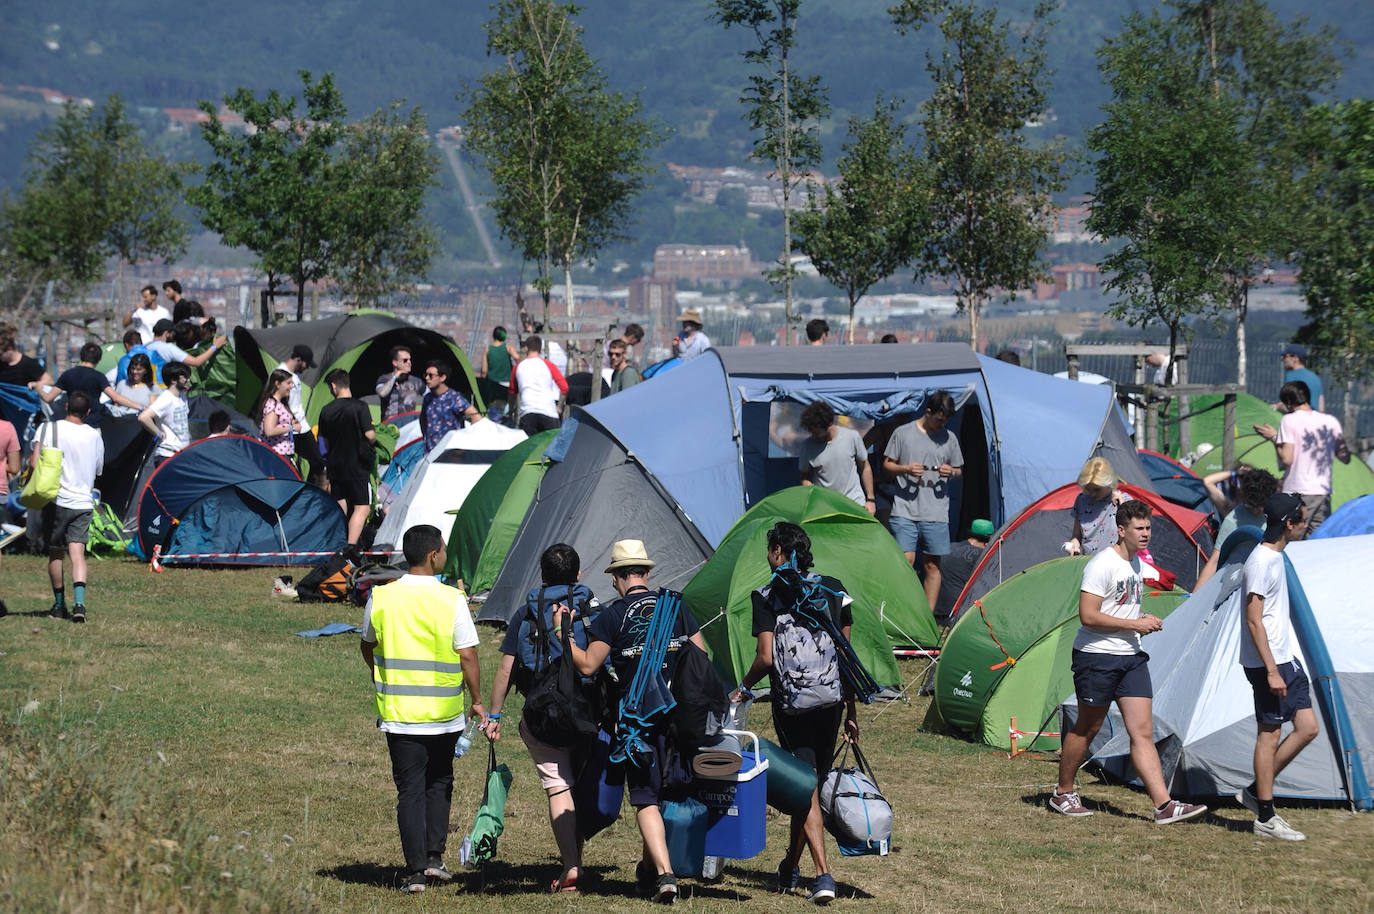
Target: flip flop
(564,883)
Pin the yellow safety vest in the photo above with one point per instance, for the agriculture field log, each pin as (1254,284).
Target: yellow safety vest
(417,673)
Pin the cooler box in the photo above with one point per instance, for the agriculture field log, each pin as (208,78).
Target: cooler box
(736,807)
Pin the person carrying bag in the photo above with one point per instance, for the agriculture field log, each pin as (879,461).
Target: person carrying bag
(45,479)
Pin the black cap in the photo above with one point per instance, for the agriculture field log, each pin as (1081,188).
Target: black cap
(302,351)
(1281,507)
(162,327)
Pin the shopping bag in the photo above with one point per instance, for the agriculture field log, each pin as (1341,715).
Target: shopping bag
(43,483)
(490,820)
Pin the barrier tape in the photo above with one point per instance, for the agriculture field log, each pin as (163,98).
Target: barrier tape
(159,560)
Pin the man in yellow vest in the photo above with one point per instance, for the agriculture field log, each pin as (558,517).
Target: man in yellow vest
(421,646)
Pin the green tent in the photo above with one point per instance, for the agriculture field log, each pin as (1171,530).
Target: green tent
(359,342)
(1348,480)
(1008,655)
(889,604)
(484,527)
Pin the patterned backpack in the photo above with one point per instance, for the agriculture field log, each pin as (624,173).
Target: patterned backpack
(806,663)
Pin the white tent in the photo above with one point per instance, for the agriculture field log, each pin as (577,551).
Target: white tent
(441,481)
(1204,716)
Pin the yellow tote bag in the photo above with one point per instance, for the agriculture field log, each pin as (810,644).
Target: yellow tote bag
(46,478)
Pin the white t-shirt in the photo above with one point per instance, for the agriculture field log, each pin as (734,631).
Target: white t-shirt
(538,392)
(1119,584)
(83,458)
(144,319)
(464,635)
(171,409)
(1315,437)
(1265,575)
(559,356)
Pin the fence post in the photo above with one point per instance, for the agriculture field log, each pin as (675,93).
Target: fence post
(1228,431)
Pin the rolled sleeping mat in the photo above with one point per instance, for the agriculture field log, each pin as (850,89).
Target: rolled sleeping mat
(790,780)
(721,758)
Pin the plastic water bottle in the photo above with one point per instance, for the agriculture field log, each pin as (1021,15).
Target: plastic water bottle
(465,741)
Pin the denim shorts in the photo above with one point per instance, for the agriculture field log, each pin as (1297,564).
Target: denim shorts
(928,537)
(1272,710)
(1100,679)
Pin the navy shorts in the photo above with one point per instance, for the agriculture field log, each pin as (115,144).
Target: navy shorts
(1272,710)
(1100,679)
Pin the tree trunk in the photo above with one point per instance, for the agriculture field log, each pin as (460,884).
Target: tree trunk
(973,324)
(300,300)
(852,303)
(1241,308)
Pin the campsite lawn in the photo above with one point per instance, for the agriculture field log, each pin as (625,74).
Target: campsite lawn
(207,727)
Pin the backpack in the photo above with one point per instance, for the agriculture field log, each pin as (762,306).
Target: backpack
(362,579)
(806,665)
(558,710)
(537,646)
(701,700)
(853,808)
(328,582)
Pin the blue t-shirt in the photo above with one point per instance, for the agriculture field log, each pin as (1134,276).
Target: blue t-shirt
(1308,377)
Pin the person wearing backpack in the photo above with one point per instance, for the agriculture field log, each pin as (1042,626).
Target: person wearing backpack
(528,650)
(809,696)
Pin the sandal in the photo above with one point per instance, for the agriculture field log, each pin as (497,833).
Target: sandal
(566,882)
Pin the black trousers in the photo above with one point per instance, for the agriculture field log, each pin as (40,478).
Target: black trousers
(422,767)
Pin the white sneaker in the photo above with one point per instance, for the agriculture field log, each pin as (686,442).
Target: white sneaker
(1277,828)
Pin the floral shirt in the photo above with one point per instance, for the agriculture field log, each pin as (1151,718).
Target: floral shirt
(285,443)
(441,415)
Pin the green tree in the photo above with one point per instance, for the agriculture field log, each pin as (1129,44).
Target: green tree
(93,191)
(1161,180)
(1335,259)
(782,108)
(990,187)
(567,155)
(873,222)
(1271,73)
(272,189)
(387,163)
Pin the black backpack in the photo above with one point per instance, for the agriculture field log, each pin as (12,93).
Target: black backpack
(329,581)
(559,711)
(701,700)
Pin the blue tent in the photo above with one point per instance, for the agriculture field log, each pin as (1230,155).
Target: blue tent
(676,460)
(1351,519)
(196,470)
(1177,483)
(258,522)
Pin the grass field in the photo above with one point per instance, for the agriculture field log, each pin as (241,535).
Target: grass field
(185,751)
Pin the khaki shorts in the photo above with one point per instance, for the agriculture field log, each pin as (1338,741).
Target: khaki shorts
(553,764)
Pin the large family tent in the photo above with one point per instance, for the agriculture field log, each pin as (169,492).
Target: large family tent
(846,543)
(1175,482)
(1350,519)
(484,527)
(1348,480)
(194,472)
(442,478)
(359,342)
(685,453)
(1008,657)
(258,522)
(1180,541)
(1204,712)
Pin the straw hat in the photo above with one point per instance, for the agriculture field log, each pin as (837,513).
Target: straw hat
(691,314)
(1097,472)
(629,554)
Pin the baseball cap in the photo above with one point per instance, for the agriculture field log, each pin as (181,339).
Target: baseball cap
(300,350)
(1281,507)
(1297,349)
(981,527)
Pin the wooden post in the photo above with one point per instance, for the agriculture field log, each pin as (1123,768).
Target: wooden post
(314,304)
(1073,367)
(1012,733)
(1181,406)
(1141,422)
(1228,431)
(1151,424)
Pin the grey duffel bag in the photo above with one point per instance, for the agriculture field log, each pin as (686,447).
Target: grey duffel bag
(855,811)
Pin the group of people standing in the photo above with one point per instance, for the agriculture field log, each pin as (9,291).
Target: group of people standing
(419,644)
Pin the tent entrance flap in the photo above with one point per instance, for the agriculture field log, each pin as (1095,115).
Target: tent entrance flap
(910,402)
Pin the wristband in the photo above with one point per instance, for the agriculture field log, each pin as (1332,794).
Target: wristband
(494,716)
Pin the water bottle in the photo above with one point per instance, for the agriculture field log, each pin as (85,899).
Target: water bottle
(465,741)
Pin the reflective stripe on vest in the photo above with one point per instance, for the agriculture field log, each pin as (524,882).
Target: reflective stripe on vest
(417,673)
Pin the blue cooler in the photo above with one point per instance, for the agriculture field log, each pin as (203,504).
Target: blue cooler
(736,806)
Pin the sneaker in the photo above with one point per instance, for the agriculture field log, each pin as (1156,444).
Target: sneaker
(788,878)
(1069,804)
(58,612)
(78,613)
(1175,811)
(1277,828)
(823,890)
(1247,799)
(415,882)
(437,870)
(665,889)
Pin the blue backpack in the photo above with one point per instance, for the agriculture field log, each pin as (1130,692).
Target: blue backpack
(538,644)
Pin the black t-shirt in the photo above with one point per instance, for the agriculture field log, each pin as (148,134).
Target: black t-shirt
(21,372)
(955,569)
(768,606)
(344,424)
(623,625)
(90,382)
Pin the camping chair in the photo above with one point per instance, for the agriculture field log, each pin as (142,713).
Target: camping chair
(107,531)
